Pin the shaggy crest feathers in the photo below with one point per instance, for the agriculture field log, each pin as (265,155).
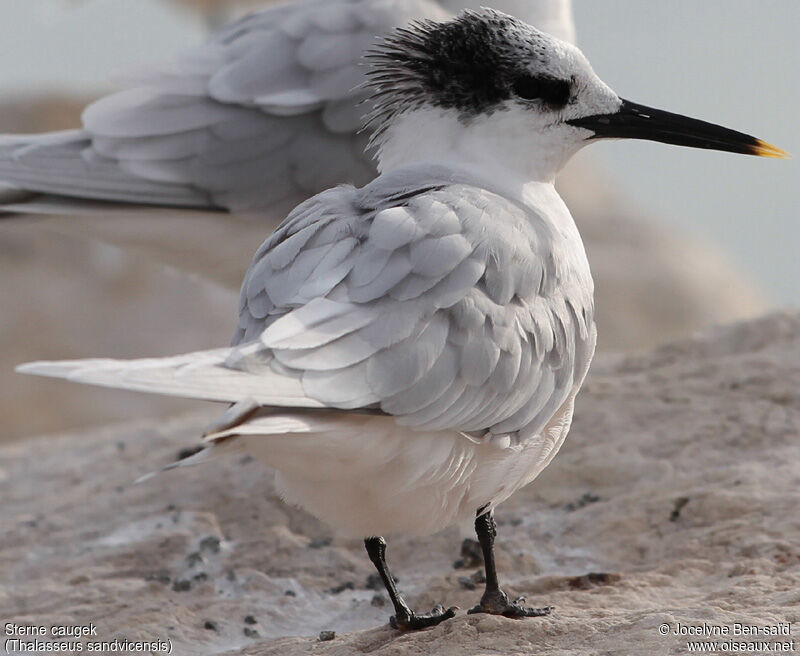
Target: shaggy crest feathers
(469,64)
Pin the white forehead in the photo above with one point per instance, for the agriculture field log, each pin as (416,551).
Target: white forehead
(546,55)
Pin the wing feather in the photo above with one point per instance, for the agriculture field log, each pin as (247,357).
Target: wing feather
(200,375)
(400,366)
(458,331)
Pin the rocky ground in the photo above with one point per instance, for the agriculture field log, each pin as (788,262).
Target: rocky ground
(66,297)
(674,500)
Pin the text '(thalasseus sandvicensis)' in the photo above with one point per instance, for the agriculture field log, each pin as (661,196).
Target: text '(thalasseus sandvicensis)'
(408,354)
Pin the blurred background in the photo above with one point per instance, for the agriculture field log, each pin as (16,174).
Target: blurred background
(732,63)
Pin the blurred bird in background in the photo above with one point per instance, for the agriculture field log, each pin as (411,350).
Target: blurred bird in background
(263,115)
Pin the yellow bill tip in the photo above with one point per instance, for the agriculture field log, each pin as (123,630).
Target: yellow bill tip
(764,149)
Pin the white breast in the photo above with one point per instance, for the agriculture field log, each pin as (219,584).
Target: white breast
(366,475)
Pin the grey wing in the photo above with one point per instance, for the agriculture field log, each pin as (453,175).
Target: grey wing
(423,310)
(262,116)
(63,163)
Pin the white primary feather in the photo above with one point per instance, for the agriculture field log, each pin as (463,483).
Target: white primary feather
(209,375)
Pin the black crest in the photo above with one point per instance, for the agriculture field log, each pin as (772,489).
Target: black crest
(472,63)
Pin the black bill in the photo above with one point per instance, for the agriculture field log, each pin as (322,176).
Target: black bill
(633,121)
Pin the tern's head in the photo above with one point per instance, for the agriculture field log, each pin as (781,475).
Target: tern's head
(488,88)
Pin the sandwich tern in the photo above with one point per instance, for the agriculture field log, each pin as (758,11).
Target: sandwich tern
(408,354)
(262,116)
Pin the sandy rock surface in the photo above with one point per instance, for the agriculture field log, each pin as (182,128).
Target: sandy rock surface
(43,112)
(673,500)
(64,297)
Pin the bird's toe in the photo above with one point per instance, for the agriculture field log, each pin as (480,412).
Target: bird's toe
(498,604)
(414,622)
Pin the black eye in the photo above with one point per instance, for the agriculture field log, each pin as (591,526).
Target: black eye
(555,93)
(527,87)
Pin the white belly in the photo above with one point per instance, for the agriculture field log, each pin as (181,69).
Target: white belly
(366,476)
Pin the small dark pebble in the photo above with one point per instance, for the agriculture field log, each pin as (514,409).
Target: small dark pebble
(245,460)
(466,582)
(374,582)
(324,636)
(472,582)
(194,558)
(120,446)
(161,578)
(378,601)
(471,555)
(337,589)
(211,626)
(586,499)
(171,507)
(211,543)
(202,576)
(230,575)
(592,579)
(250,633)
(189,451)
(249,619)
(182,585)
(680,502)
(509,521)
(290,593)
(318,543)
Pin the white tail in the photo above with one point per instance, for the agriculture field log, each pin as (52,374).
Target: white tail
(200,375)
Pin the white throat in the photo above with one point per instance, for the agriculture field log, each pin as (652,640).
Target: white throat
(498,146)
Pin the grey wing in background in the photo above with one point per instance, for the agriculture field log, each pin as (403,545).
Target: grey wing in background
(260,117)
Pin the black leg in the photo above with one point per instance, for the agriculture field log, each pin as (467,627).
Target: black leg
(494,600)
(404,618)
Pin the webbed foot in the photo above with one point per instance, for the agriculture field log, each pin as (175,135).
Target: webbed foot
(497,603)
(414,622)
